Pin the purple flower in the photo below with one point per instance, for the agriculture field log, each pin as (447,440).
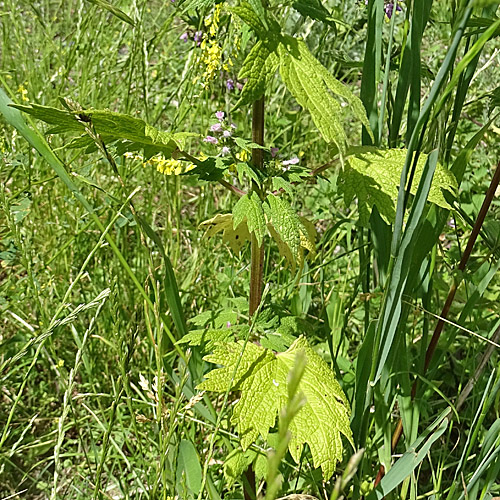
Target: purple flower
(389,8)
(220,115)
(198,36)
(292,161)
(274,152)
(216,127)
(210,139)
(184,37)
(226,133)
(230,84)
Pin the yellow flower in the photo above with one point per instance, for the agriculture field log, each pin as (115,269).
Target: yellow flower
(24,93)
(243,155)
(169,166)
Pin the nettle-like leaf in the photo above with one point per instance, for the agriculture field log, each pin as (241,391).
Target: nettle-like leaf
(258,68)
(314,9)
(236,238)
(262,377)
(127,132)
(249,209)
(237,463)
(211,169)
(209,337)
(247,14)
(312,85)
(373,176)
(289,231)
(294,235)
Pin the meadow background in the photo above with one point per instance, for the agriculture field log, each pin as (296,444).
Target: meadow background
(96,402)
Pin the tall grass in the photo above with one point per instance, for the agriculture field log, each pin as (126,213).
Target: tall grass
(103,270)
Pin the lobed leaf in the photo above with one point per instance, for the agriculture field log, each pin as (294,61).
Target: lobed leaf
(374,175)
(312,85)
(249,209)
(262,379)
(285,227)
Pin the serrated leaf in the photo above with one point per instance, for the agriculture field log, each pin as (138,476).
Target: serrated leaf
(262,379)
(131,134)
(313,9)
(211,169)
(235,238)
(373,176)
(248,15)
(208,337)
(312,85)
(285,227)
(280,183)
(243,168)
(258,68)
(249,209)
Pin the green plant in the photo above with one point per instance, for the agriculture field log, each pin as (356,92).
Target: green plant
(376,344)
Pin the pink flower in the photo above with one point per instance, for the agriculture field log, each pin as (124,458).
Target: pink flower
(292,161)
(216,127)
(226,133)
(210,139)
(274,152)
(220,115)
(184,37)
(225,151)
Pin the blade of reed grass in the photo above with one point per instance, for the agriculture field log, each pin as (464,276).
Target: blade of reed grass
(391,313)
(421,11)
(391,308)
(371,66)
(412,457)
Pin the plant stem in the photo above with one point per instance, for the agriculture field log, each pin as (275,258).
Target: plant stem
(257,258)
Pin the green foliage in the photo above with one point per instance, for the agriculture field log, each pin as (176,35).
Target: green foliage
(258,68)
(314,9)
(128,133)
(238,461)
(311,84)
(373,176)
(209,337)
(262,379)
(249,209)
(104,4)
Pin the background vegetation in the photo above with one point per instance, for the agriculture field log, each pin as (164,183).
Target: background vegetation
(97,402)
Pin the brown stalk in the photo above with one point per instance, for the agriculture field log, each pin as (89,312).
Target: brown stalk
(257,260)
(490,193)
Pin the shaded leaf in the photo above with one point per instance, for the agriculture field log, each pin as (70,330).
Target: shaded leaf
(373,176)
(235,238)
